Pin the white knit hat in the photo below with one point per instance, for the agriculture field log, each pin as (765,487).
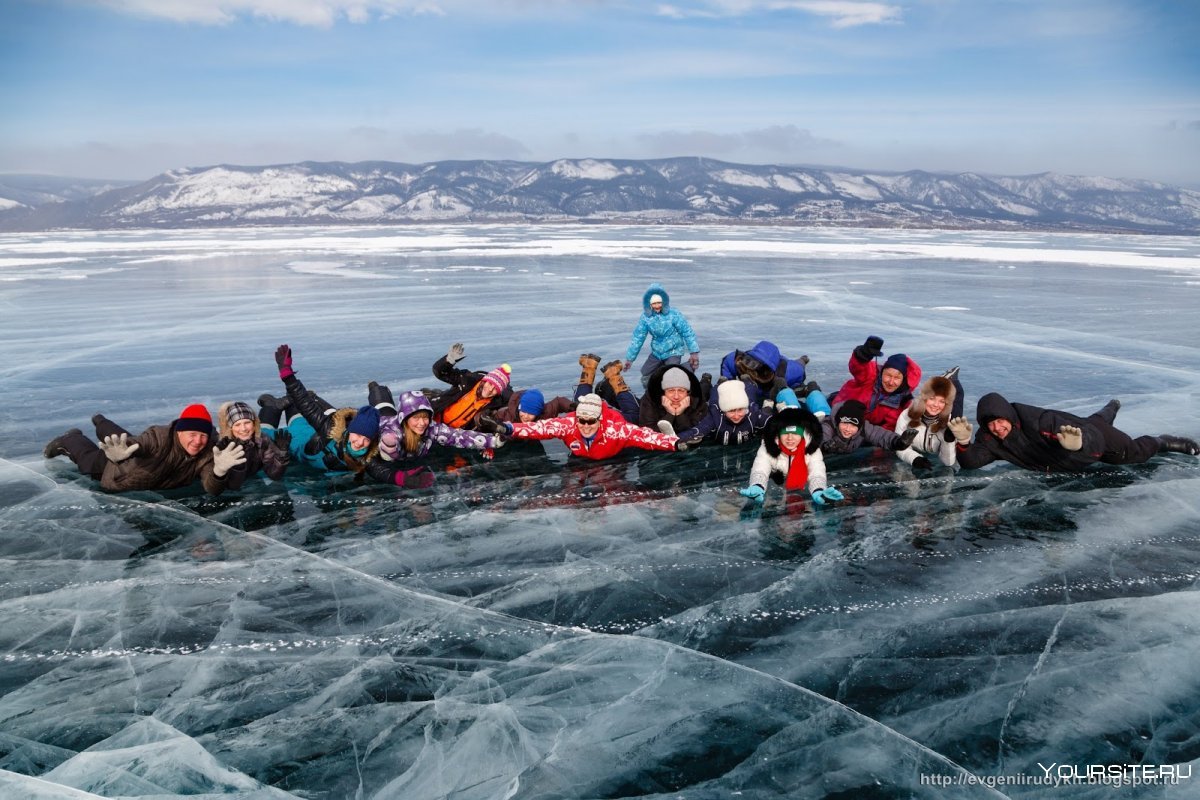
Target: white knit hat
(590,406)
(655,298)
(731,395)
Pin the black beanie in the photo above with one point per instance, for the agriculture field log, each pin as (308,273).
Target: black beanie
(851,411)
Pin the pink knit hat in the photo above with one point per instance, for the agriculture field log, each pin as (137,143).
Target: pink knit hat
(498,377)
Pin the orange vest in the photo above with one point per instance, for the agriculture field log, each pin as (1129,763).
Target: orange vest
(462,411)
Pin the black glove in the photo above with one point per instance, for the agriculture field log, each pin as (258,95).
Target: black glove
(905,439)
(486,424)
(283,359)
(283,439)
(921,462)
(869,350)
(948,435)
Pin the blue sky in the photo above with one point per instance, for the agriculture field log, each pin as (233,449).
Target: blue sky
(131,88)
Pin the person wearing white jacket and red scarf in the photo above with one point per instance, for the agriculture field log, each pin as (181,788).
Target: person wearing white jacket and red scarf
(791,454)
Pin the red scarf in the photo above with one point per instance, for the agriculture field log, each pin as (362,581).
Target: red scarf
(797,477)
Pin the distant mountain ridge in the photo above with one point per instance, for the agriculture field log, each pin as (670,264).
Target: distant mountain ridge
(659,190)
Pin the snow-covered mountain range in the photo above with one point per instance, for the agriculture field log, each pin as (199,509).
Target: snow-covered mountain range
(661,190)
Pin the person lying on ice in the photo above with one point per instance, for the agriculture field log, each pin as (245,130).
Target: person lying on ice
(673,393)
(791,454)
(407,434)
(323,437)
(265,449)
(161,457)
(847,430)
(471,393)
(594,430)
(733,420)
(884,391)
(1046,440)
(527,405)
(939,400)
(765,371)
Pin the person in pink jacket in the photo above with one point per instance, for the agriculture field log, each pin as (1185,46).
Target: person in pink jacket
(594,430)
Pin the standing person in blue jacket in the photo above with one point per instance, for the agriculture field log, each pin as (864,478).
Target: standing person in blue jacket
(765,371)
(671,337)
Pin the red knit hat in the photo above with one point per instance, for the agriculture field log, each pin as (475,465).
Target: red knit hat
(498,377)
(195,418)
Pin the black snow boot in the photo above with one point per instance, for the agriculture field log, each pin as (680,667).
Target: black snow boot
(57,446)
(271,409)
(1109,412)
(1178,444)
(381,398)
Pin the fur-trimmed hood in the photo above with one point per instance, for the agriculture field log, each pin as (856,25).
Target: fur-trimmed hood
(792,416)
(656,289)
(936,386)
(338,432)
(225,428)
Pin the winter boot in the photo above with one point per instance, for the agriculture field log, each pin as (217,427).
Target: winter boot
(950,373)
(1109,412)
(271,410)
(612,374)
(589,362)
(381,398)
(1172,444)
(57,446)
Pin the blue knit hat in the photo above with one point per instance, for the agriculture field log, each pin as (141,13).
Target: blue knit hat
(365,422)
(532,402)
(898,362)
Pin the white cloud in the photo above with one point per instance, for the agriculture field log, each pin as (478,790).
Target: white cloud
(842,13)
(315,13)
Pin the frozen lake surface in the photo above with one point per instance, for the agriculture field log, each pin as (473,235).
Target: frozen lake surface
(533,628)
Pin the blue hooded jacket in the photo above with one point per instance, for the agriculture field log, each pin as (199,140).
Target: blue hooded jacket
(669,331)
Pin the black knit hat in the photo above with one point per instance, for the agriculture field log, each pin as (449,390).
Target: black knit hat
(852,411)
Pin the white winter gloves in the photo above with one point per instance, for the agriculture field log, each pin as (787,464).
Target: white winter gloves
(117,448)
(227,459)
(961,430)
(1070,437)
(456,353)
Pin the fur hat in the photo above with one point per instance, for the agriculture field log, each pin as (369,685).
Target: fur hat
(676,378)
(365,422)
(532,402)
(195,418)
(590,406)
(498,378)
(800,418)
(937,386)
(852,411)
(731,395)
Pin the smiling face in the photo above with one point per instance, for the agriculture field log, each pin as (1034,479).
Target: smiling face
(418,422)
(891,379)
(790,441)
(935,405)
(242,430)
(588,426)
(675,400)
(486,389)
(656,307)
(1000,428)
(192,441)
(847,429)
(736,415)
(358,441)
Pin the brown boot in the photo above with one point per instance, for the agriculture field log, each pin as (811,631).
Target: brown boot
(612,373)
(589,362)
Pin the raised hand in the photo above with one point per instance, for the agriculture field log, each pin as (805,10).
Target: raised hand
(904,440)
(1070,437)
(228,458)
(117,448)
(283,359)
(871,349)
(456,353)
(961,430)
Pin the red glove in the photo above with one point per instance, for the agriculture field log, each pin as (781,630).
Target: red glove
(419,478)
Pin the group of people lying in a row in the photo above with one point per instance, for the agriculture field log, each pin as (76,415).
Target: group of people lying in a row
(760,394)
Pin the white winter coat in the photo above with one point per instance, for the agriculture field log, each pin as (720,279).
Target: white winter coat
(927,443)
(765,464)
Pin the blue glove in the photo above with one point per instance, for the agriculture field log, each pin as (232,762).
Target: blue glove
(822,496)
(755,493)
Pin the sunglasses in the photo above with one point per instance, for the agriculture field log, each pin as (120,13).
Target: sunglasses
(586,421)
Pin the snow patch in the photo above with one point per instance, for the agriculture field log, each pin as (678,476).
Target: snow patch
(335,269)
